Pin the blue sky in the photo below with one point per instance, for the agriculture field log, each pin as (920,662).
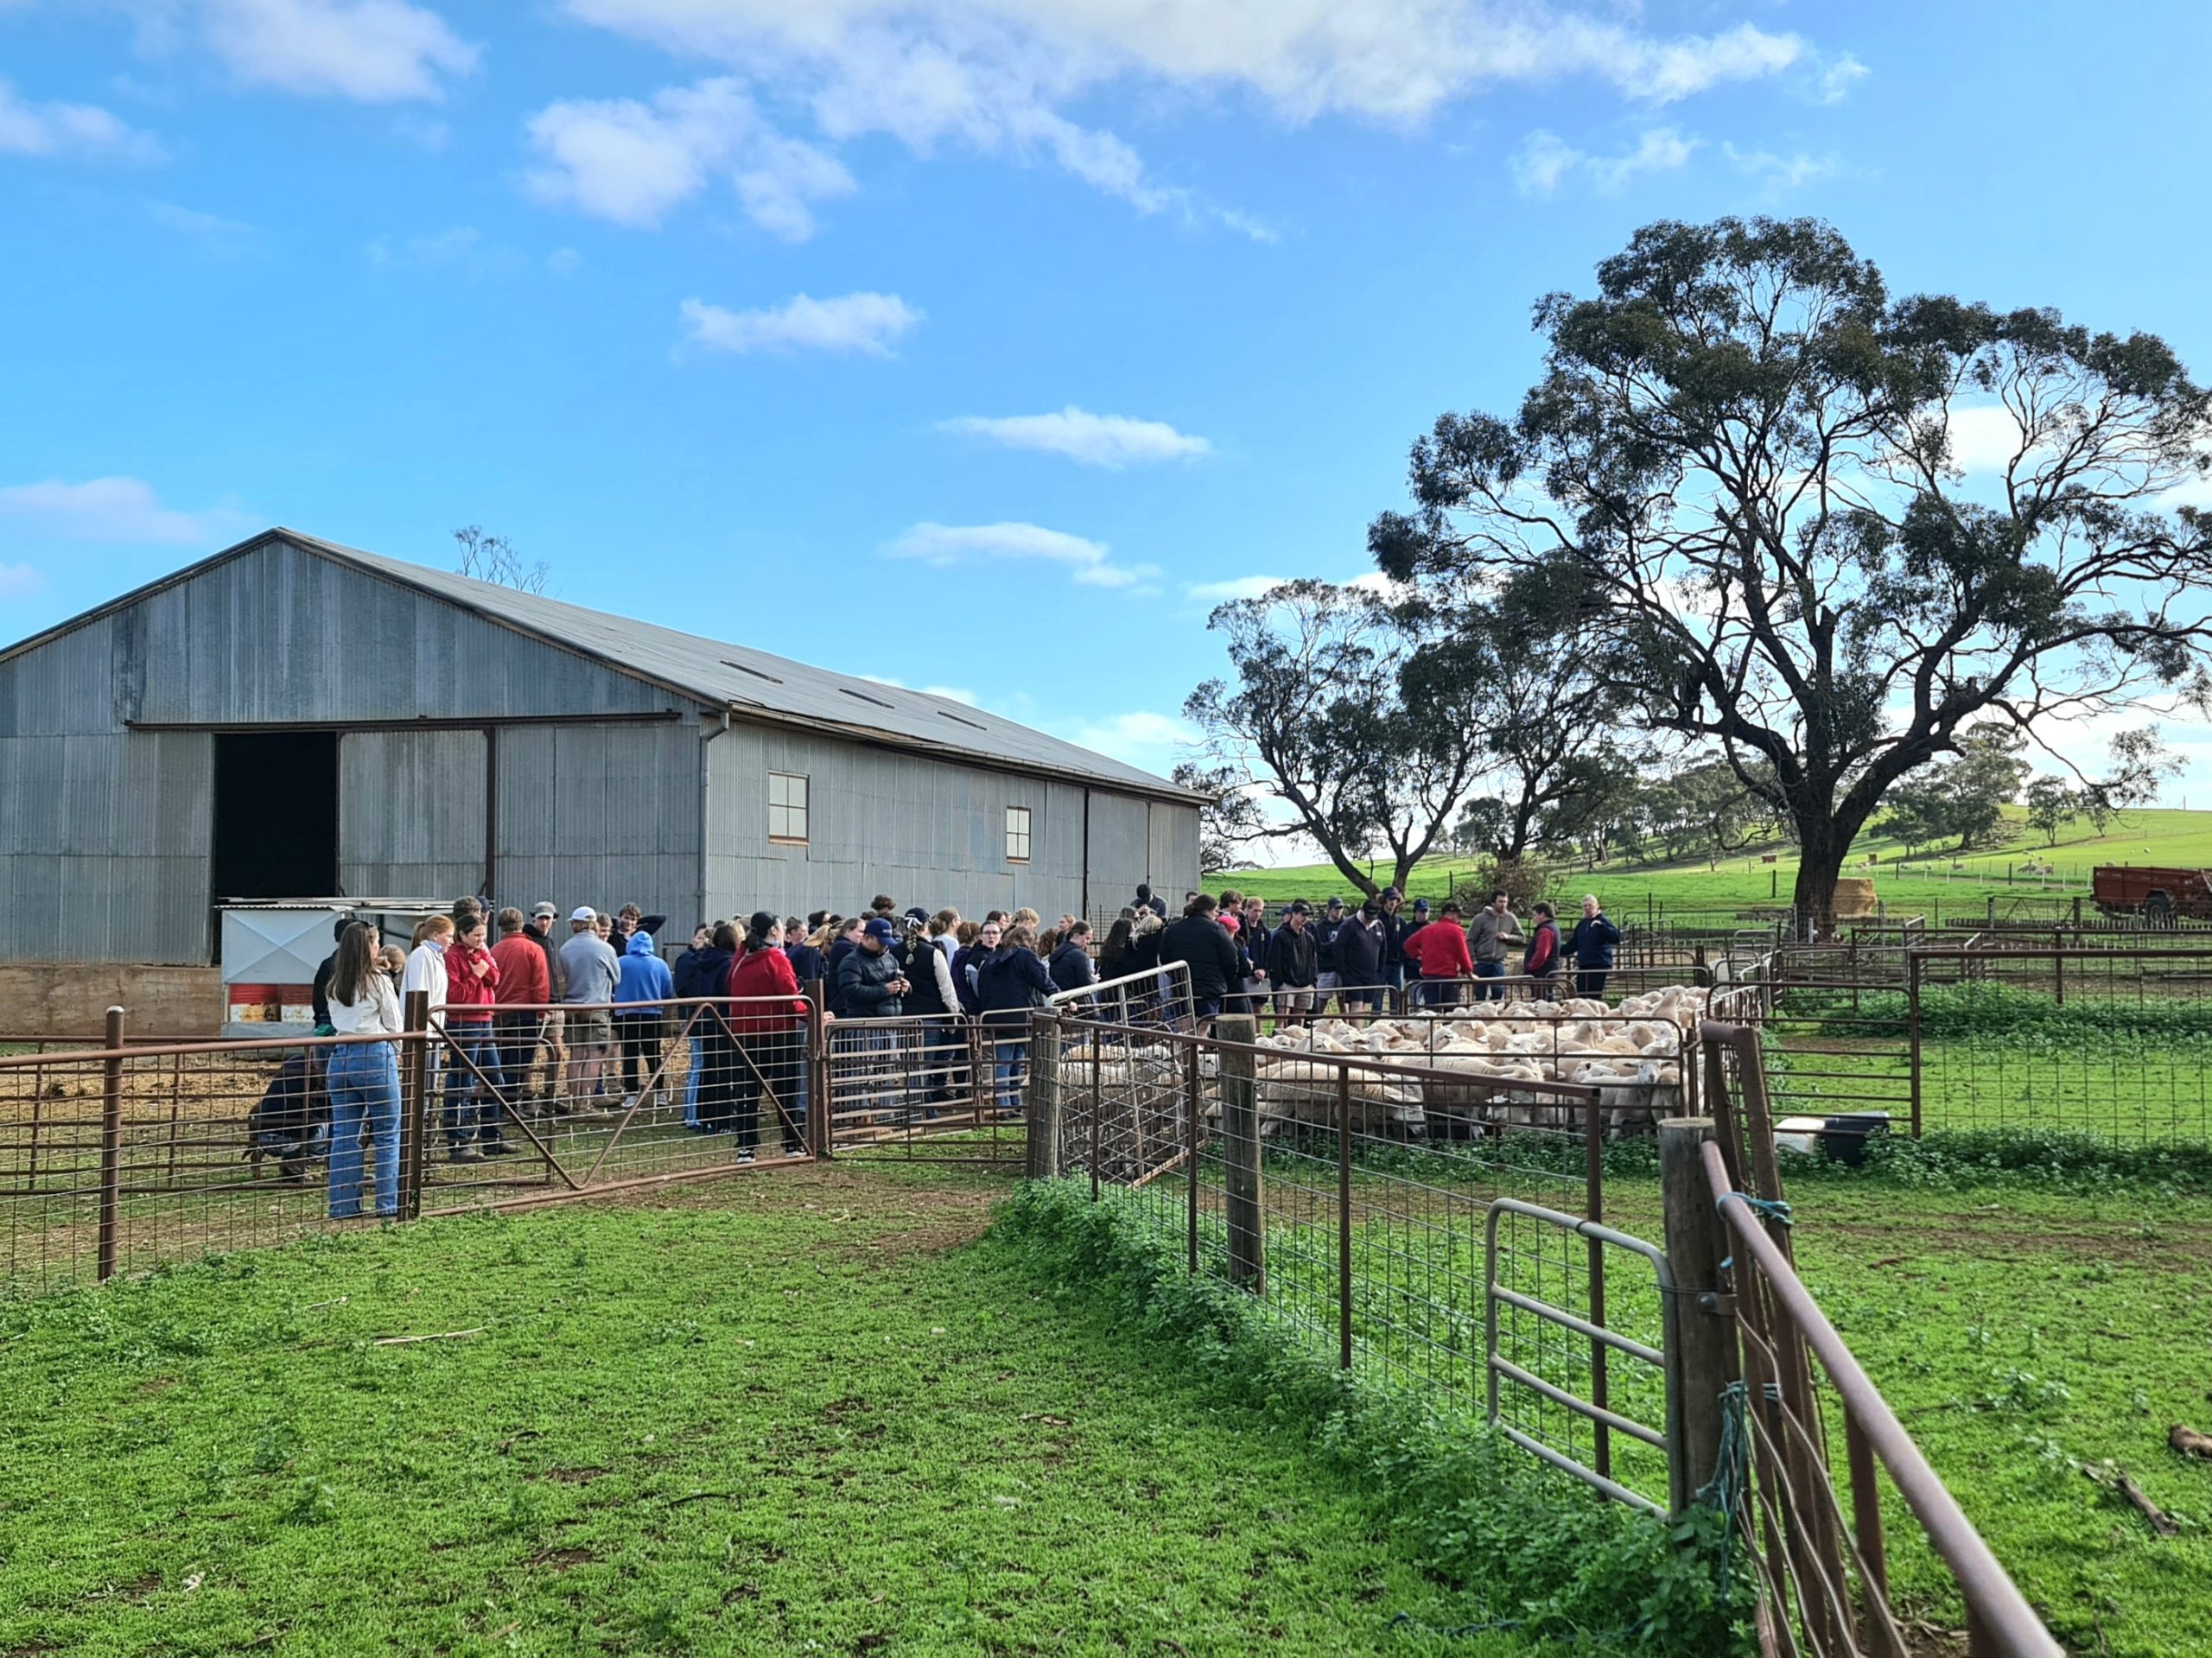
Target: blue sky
(970,346)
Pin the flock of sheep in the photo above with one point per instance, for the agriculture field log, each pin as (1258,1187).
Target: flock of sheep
(1450,1073)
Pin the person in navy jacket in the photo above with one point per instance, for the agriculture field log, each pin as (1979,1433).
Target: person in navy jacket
(1591,945)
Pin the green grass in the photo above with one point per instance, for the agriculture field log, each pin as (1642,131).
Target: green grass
(2154,835)
(796,1413)
(2024,1322)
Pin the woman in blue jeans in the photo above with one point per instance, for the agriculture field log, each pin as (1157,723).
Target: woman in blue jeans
(1008,986)
(363,1078)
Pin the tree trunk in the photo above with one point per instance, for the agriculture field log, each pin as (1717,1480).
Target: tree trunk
(1820,850)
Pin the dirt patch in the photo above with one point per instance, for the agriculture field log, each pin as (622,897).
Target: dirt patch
(564,1560)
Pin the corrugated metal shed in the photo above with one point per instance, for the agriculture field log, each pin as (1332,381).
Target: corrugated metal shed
(751,683)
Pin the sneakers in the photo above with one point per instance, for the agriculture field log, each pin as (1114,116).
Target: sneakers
(629,1103)
(744,1157)
(464,1154)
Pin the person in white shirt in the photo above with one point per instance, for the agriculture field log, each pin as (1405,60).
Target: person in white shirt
(426,967)
(364,1077)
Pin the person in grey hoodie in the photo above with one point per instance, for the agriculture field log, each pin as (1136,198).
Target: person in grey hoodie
(1488,934)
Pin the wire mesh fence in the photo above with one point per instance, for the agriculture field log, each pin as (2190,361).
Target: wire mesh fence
(123,1158)
(1357,1195)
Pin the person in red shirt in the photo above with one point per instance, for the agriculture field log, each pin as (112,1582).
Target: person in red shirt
(767,1023)
(523,986)
(472,1114)
(1439,954)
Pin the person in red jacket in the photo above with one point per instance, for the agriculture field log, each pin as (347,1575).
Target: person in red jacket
(1540,960)
(767,1022)
(1438,954)
(526,986)
(472,1130)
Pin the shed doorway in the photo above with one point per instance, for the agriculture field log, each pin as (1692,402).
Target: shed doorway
(276,815)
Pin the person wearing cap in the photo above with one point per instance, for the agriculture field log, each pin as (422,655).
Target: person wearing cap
(1492,930)
(869,983)
(590,971)
(1397,927)
(1438,953)
(1359,959)
(1290,966)
(551,1032)
(1147,899)
(1325,953)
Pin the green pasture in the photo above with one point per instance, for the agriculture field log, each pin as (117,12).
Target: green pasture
(2027,1324)
(1908,884)
(796,1413)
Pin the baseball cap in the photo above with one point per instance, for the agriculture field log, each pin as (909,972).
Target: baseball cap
(1298,907)
(1451,907)
(1421,906)
(1335,903)
(583,912)
(544,908)
(879,929)
(1391,892)
(918,914)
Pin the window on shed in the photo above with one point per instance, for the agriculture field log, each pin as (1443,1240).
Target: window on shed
(787,806)
(1017,834)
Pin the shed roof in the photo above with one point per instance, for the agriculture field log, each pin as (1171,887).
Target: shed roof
(745,681)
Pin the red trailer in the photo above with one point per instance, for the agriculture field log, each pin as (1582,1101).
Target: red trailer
(2158,895)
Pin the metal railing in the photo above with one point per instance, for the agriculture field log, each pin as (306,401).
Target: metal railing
(1760,1348)
(130,1155)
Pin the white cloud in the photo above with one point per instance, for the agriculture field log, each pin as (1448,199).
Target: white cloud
(631,162)
(106,509)
(1780,173)
(1984,438)
(997,77)
(461,251)
(1237,587)
(1089,563)
(210,230)
(1838,78)
(861,322)
(69,131)
(1663,149)
(19,581)
(949,693)
(374,51)
(1154,741)
(1111,440)
(1543,160)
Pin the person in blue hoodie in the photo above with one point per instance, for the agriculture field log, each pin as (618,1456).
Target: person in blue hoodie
(641,990)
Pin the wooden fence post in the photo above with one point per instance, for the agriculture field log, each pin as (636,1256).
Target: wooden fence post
(1240,1145)
(1700,1328)
(1041,1096)
(414,1070)
(110,1145)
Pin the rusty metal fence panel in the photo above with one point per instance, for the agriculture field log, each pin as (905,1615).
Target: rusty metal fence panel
(119,1159)
(1814,1533)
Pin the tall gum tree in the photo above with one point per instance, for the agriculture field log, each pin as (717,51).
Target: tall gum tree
(1826,530)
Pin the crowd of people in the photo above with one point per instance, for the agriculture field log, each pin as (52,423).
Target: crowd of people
(581,1025)
(1377,956)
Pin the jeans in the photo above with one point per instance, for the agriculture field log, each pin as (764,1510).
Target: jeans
(471,1102)
(1439,993)
(1009,1060)
(364,1087)
(1590,981)
(1494,991)
(518,1036)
